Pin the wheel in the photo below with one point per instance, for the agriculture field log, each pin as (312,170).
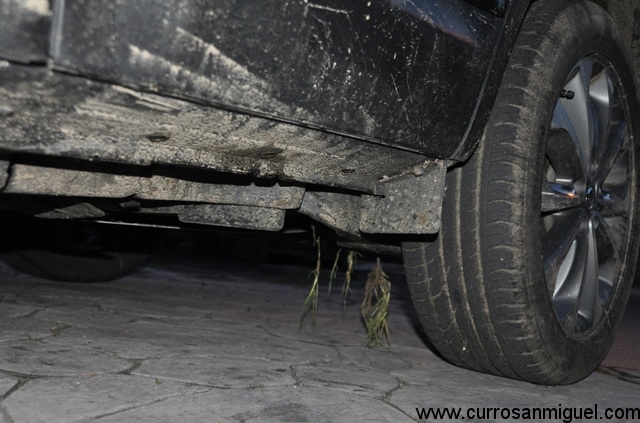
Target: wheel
(531,271)
(75,251)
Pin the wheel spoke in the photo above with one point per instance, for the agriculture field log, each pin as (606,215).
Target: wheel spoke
(609,154)
(563,120)
(582,268)
(610,246)
(574,114)
(590,277)
(557,196)
(564,156)
(614,201)
(558,243)
(609,259)
(567,287)
(601,96)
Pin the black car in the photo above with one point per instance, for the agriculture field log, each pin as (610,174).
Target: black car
(494,143)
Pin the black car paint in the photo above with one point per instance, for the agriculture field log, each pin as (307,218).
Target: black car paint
(24,32)
(419,75)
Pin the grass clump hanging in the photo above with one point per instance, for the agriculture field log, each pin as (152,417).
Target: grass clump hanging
(377,294)
(375,306)
(311,302)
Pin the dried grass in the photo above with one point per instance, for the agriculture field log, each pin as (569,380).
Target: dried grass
(377,295)
(311,302)
(375,306)
(352,259)
(334,270)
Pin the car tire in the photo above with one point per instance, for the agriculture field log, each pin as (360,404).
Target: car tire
(531,271)
(73,251)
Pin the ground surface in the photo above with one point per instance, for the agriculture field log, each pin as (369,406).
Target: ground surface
(186,340)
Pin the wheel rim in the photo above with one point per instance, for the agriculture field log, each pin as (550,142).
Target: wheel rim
(587,191)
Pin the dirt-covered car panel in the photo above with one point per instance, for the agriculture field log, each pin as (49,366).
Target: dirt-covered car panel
(396,72)
(25,27)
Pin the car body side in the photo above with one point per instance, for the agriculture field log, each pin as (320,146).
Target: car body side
(371,100)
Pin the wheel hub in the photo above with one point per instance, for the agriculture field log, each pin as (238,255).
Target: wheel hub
(590,198)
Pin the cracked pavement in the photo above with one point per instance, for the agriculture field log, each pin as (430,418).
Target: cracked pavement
(192,340)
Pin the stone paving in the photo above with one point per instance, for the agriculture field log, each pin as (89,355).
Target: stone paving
(188,341)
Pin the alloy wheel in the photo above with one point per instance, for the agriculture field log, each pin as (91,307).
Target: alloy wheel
(587,196)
